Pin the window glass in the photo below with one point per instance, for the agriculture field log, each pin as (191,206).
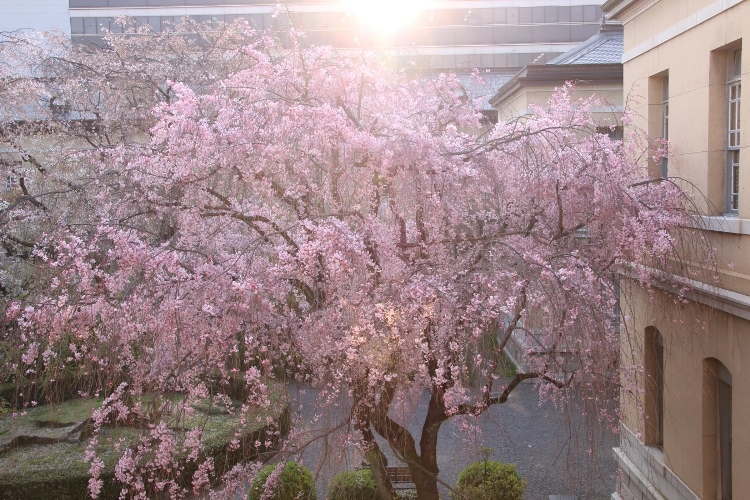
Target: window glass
(76,25)
(734,101)
(665,123)
(487,16)
(563,14)
(89,25)
(102,25)
(550,14)
(591,13)
(501,16)
(525,15)
(537,15)
(512,15)
(576,14)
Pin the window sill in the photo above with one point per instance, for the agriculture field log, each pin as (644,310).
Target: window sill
(723,224)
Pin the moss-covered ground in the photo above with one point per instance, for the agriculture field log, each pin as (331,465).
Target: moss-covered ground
(42,449)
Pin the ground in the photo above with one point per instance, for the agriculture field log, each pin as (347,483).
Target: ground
(548,446)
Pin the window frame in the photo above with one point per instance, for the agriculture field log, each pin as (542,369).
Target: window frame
(733,108)
(665,123)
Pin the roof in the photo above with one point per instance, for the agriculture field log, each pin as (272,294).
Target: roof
(484,86)
(603,48)
(597,59)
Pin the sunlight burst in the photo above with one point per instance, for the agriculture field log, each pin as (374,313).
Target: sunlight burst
(386,16)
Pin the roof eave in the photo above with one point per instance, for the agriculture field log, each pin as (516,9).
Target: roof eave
(618,9)
(546,74)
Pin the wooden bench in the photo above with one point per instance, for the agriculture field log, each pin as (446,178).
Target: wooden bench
(400,477)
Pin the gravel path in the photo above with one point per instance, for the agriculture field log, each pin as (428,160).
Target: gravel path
(550,450)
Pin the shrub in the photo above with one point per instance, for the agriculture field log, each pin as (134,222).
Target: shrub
(296,482)
(406,494)
(491,480)
(353,485)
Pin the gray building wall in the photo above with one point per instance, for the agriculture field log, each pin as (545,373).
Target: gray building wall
(497,34)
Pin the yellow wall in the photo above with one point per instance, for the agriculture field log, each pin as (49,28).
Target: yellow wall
(691,334)
(657,45)
(517,104)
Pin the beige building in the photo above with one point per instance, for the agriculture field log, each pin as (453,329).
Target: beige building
(683,434)
(594,66)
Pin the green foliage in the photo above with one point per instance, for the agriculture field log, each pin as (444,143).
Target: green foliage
(353,485)
(491,480)
(4,407)
(506,366)
(296,483)
(406,494)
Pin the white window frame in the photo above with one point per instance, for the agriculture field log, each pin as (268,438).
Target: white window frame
(665,123)
(734,98)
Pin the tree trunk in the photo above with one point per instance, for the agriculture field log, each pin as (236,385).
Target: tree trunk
(424,470)
(376,459)
(425,483)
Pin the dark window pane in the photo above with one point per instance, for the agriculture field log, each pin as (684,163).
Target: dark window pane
(537,15)
(155,23)
(487,16)
(166,23)
(76,25)
(525,15)
(563,14)
(591,13)
(114,25)
(513,15)
(576,14)
(501,16)
(550,14)
(102,25)
(89,25)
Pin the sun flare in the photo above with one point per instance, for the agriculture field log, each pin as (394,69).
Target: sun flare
(386,16)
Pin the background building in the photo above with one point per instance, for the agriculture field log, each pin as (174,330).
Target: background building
(444,34)
(594,66)
(682,432)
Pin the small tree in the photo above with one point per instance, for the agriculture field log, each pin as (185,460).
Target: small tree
(353,485)
(490,480)
(286,481)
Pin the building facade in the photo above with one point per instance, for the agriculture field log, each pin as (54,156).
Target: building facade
(442,34)
(594,66)
(682,432)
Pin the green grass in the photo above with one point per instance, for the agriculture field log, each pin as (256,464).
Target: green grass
(59,471)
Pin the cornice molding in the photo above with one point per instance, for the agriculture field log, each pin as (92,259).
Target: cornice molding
(546,74)
(626,10)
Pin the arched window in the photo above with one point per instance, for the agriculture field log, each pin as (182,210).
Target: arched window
(717,430)
(654,371)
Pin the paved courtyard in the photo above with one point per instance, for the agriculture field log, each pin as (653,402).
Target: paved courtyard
(548,446)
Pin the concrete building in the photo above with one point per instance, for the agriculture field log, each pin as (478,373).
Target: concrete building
(682,432)
(440,34)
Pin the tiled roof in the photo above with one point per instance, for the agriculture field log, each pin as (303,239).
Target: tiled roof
(603,48)
(484,85)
